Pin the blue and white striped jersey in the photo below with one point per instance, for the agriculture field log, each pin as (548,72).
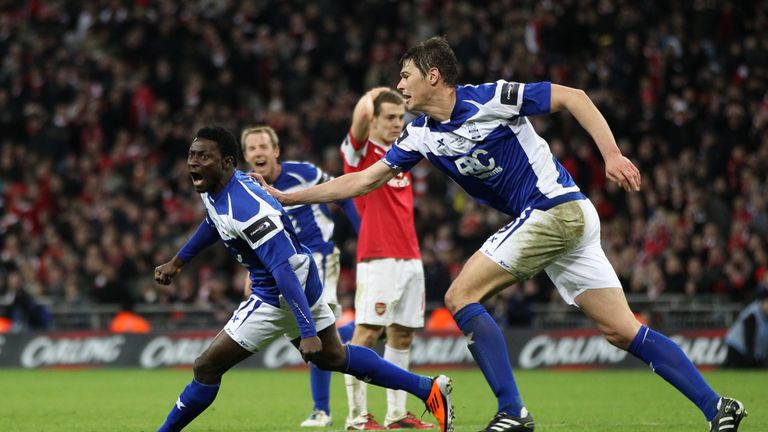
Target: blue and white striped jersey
(313,222)
(490,148)
(258,233)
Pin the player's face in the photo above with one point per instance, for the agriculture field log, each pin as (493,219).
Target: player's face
(262,156)
(389,123)
(414,86)
(205,164)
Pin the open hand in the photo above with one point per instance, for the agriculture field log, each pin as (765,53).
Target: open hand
(620,170)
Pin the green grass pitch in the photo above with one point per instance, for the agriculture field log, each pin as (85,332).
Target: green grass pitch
(268,400)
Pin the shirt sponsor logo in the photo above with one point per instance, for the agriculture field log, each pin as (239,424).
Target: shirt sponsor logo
(477,164)
(399,181)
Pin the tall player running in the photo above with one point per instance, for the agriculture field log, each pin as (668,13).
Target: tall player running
(390,275)
(285,292)
(480,136)
(314,227)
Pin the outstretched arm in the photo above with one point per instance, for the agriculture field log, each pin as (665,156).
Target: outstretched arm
(341,188)
(617,167)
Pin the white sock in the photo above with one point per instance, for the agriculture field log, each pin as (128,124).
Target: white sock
(357,396)
(396,399)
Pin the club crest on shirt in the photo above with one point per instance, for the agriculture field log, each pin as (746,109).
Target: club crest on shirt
(380,308)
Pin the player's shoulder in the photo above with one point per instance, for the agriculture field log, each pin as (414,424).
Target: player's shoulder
(248,198)
(479,93)
(418,122)
(414,131)
(300,172)
(300,166)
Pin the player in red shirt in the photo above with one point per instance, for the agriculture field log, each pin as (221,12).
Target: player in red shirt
(390,276)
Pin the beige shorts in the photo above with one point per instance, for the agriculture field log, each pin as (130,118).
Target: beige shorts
(564,241)
(390,291)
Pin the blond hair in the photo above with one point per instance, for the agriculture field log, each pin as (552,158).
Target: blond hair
(259,129)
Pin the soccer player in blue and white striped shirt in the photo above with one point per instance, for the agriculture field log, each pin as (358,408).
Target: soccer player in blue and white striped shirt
(481,137)
(314,227)
(285,291)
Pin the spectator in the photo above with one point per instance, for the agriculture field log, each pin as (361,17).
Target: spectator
(94,122)
(747,339)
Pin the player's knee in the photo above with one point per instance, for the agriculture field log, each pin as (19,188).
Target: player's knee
(454,300)
(329,360)
(617,339)
(366,336)
(205,370)
(399,337)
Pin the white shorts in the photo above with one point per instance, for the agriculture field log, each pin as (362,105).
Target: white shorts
(390,291)
(328,266)
(564,241)
(255,323)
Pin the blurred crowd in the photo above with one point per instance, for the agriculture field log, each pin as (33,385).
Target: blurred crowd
(99,101)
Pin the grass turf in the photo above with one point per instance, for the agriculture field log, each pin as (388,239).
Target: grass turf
(268,400)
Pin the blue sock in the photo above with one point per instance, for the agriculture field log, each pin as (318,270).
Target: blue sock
(346,331)
(320,381)
(364,364)
(487,345)
(671,363)
(193,400)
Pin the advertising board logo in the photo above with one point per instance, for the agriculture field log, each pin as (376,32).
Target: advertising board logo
(46,351)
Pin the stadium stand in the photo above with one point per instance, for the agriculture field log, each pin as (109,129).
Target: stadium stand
(97,105)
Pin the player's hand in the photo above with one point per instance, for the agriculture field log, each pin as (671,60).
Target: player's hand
(165,273)
(309,346)
(620,170)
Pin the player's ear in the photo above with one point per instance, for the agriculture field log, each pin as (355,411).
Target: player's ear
(433,75)
(228,162)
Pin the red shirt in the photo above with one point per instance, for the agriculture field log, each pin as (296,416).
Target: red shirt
(386,214)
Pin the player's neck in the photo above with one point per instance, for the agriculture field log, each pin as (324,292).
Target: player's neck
(222,183)
(275,173)
(440,106)
(379,140)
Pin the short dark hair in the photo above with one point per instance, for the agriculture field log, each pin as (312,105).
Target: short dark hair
(434,52)
(221,136)
(389,96)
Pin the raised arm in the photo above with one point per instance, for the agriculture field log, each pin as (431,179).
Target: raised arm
(617,167)
(363,114)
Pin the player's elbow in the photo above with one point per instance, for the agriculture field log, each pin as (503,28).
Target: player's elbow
(568,98)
